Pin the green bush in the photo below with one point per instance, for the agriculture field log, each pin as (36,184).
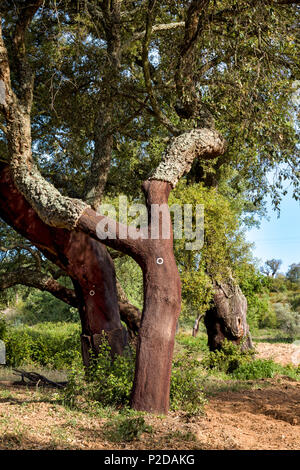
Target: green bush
(109,383)
(229,358)
(47,344)
(125,428)
(106,382)
(257,369)
(287,320)
(39,307)
(18,345)
(191,344)
(186,392)
(260,314)
(295,303)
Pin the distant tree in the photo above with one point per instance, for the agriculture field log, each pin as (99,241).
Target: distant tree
(293,273)
(271,267)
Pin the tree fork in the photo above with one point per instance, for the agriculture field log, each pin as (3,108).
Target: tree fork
(83,259)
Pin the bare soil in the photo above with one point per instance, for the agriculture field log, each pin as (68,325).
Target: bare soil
(265,415)
(282,353)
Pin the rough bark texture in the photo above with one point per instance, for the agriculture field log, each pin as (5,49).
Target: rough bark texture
(183,150)
(227,317)
(162,304)
(84,260)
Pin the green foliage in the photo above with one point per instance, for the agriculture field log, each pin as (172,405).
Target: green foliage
(257,369)
(131,278)
(263,369)
(45,344)
(287,320)
(109,383)
(228,359)
(191,344)
(186,392)
(124,428)
(278,284)
(293,273)
(255,287)
(106,382)
(295,303)
(260,312)
(224,247)
(242,365)
(43,307)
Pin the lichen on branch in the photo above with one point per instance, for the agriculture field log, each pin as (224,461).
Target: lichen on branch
(184,149)
(52,207)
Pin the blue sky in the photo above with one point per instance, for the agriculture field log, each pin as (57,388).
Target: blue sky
(278,238)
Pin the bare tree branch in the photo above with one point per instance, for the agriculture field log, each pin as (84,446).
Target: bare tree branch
(147,71)
(43,282)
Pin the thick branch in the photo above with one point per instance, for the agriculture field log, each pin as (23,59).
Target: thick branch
(155,28)
(182,151)
(147,72)
(43,282)
(193,27)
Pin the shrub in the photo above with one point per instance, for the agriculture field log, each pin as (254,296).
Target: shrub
(39,307)
(260,313)
(229,358)
(48,344)
(186,392)
(287,320)
(295,303)
(18,345)
(257,369)
(106,382)
(125,428)
(109,383)
(191,344)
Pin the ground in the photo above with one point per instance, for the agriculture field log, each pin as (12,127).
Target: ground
(262,414)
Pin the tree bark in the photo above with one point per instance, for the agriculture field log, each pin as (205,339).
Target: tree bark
(227,318)
(86,261)
(162,304)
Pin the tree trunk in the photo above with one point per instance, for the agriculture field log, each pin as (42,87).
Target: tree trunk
(86,261)
(227,318)
(162,294)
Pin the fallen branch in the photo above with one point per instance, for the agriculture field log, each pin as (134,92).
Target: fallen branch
(36,379)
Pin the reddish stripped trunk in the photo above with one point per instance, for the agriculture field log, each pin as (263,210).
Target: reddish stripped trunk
(86,261)
(162,294)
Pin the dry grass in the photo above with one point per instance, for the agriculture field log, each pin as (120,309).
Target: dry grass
(257,418)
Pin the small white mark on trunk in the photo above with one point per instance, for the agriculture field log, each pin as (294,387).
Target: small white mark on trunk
(159,260)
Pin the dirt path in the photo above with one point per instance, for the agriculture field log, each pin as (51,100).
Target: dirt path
(262,418)
(280,352)
(267,418)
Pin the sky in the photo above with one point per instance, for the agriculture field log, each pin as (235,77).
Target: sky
(278,238)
